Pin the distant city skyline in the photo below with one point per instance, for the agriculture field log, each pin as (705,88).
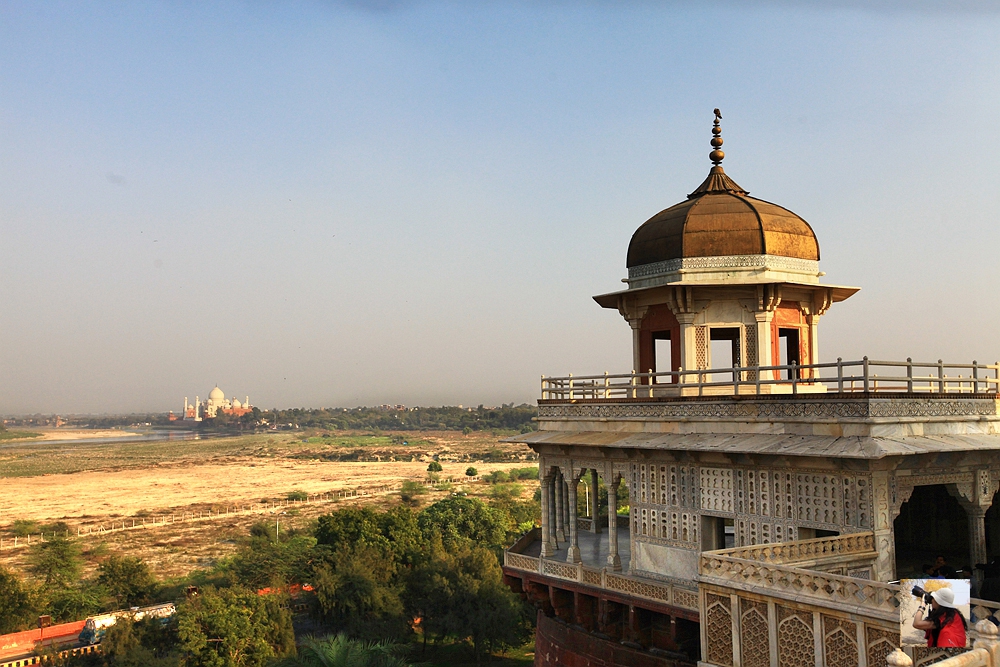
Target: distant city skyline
(353,203)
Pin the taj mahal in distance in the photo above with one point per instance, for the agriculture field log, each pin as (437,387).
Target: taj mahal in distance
(210,408)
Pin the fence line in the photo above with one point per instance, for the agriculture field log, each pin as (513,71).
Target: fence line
(141,523)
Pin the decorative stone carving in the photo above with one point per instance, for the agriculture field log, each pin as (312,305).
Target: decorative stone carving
(840,642)
(762,409)
(795,638)
(718,630)
(754,643)
(880,643)
(725,262)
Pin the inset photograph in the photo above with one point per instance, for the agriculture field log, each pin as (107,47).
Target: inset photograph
(935,613)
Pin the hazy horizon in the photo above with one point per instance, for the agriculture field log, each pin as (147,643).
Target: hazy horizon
(323,204)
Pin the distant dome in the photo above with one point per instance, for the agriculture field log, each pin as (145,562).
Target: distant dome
(217,394)
(237,404)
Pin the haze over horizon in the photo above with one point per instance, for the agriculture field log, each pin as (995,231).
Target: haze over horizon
(355,203)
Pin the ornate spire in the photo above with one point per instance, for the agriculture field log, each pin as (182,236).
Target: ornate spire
(716,156)
(717,180)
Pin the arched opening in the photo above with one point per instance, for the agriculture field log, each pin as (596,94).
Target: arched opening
(930,524)
(659,343)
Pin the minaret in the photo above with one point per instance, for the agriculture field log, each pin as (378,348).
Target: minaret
(246,404)
(197,408)
(185,413)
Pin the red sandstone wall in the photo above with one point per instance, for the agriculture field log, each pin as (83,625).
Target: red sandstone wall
(559,644)
(19,643)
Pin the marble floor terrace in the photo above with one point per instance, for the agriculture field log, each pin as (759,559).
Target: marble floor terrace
(593,548)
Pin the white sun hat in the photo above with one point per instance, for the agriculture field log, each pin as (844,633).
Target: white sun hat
(945,597)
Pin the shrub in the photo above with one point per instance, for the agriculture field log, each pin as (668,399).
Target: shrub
(410,490)
(471,472)
(297,495)
(506,491)
(497,477)
(523,473)
(57,527)
(434,466)
(24,527)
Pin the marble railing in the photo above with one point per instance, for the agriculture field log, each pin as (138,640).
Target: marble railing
(832,591)
(667,593)
(754,611)
(788,553)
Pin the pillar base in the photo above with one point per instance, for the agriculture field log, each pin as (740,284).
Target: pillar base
(547,549)
(614,562)
(560,536)
(573,555)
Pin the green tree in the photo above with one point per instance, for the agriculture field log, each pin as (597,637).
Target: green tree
(233,627)
(16,605)
(149,642)
(460,592)
(471,472)
(75,602)
(342,651)
(359,594)
(434,466)
(463,518)
(263,561)
(56,562)
(396,531)
(127,579)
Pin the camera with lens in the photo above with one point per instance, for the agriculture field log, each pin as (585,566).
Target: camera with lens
(921,593)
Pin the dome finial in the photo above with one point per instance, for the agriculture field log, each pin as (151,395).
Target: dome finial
(716,156)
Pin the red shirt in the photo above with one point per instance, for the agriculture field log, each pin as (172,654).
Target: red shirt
(952,634)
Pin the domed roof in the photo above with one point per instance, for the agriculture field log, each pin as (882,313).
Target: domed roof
(719,219)
(217,394)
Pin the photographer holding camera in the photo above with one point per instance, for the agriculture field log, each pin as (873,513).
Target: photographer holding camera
(944,625)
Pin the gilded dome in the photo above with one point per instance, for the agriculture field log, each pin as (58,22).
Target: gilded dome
(719,218)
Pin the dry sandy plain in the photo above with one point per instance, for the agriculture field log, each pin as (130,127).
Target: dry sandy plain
(86,485)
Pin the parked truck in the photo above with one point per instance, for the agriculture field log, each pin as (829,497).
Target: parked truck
(95,626)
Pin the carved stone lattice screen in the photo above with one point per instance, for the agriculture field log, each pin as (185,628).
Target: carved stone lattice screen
(924,655)
(701,346)
(718,630)
(840,642)
(795,638)
(751,345)
(880,644)
(754,643)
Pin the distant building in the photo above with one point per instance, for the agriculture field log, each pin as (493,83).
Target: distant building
(216,403)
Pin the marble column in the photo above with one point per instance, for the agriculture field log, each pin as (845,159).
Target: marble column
(553,512)
(566,512)
(560,498)
(688,344)
(614,560)
(977,534)
(595,503)
(547,533)
(573,552)
(885,544)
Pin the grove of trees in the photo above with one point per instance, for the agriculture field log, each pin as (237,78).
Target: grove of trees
(380,580)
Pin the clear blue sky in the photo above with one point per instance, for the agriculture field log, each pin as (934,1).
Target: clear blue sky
(323,203)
